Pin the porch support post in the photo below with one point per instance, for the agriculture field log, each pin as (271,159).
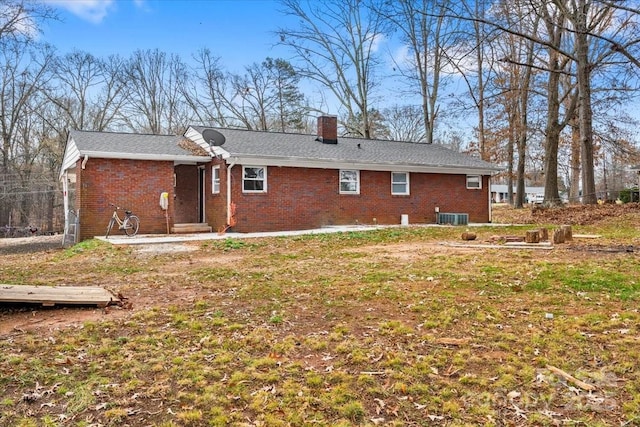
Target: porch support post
(65,198)
(490,200)
(229,167)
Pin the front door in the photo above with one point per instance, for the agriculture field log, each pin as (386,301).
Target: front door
(201,193)
(187,194)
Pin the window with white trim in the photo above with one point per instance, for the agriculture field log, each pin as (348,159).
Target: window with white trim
(254,179)
(349,181)
(400,183)
(474,182)
(215,179)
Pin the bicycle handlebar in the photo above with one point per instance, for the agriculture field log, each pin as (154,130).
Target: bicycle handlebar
(117,207)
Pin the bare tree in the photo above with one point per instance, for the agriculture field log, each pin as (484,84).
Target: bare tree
(404,123)
(254,94)
(336,45)
(109,102)
(23,74)
(431,39)
(558,67)
(20,19)
(592,24)
(89,90)
(515,82)
(155,84)
(477,73)
(207,93)
(612,29)
(269,97)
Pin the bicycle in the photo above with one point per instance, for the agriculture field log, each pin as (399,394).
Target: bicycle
(129,224)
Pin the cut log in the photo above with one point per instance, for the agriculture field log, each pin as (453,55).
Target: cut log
(532,236)
(467,235)
(568,234)
(558,236)
(544,234)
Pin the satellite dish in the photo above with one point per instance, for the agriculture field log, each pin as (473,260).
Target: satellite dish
(213,137)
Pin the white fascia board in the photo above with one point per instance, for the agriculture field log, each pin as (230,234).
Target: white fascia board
(385,167)
(145,156)
(70,157)
(196,137)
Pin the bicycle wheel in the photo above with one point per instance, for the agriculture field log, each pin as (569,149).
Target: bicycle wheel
(109,227)
(131,225)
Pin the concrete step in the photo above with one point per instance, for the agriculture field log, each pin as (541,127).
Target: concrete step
(191,228)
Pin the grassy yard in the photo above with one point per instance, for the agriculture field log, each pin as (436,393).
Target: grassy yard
(394,327)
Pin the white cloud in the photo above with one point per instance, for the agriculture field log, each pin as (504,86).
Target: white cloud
(93,11)
(378,40)
(401,57)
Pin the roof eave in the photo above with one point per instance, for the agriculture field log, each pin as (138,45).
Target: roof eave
(347,164)
(145,156)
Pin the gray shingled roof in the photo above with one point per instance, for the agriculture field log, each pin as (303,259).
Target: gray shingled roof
(244,143)
(275,145)
(128,143)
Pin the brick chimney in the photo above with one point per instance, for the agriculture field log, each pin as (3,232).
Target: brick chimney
(328,129)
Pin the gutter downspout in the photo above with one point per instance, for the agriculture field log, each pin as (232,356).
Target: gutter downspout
(229,167)
(490,201)
(65,203)
(84,161)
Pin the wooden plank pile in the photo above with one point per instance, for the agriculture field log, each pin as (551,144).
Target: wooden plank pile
(49,296)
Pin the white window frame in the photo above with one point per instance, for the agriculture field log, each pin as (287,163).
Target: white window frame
(406,191)
(474,182)
(341,181)
(264,179)
(215,179)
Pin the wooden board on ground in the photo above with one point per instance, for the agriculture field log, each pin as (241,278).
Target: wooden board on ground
(52,295)
(508,245)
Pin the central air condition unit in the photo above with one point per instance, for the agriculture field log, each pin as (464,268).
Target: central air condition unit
(453,218)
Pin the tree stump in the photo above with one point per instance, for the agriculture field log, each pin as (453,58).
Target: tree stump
(558,236)
(532,236)
(568,234)
(544,234)
(467,235)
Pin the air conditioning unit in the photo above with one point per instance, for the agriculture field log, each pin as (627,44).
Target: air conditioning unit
(453,218)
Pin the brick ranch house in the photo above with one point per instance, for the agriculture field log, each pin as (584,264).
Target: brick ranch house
(267,181)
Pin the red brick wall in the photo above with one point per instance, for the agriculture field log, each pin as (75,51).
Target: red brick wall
(132,184)
(216,204)
(297,198)
(309,198)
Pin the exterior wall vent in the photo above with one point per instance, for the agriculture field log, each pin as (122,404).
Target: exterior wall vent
(453,218)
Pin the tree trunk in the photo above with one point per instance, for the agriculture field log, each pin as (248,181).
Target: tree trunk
(555,27)
(574,189)
(584,107)
(510,150)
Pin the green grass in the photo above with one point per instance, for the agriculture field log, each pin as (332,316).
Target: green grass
(335,329)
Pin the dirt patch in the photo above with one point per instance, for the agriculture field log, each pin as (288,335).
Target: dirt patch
(29,245)
(19,318)
(165,248)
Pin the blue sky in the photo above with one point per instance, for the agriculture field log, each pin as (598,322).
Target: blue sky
(239,31)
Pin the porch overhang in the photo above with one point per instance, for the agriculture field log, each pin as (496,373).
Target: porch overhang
(88,155)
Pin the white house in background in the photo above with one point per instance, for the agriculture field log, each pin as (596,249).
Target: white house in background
(636,169)
(499,194)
